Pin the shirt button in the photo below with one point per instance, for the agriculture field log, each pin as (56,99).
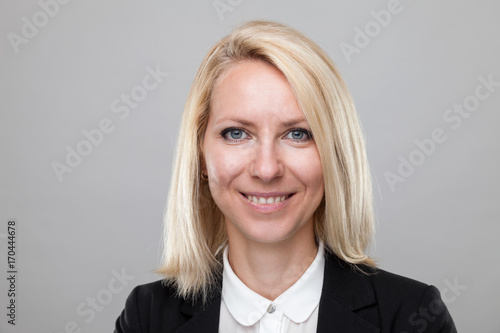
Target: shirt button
(271,308)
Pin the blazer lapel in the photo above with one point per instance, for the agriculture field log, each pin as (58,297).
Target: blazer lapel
(347,301)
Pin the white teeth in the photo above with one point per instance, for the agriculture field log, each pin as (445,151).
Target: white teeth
(262,201)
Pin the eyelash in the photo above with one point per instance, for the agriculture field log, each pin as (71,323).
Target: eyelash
(225,131)
(303,130)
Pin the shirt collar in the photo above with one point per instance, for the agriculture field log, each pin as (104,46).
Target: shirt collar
(297,302)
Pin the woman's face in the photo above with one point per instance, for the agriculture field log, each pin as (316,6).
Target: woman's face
(263,166)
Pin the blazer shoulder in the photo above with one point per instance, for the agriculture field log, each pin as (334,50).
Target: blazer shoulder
(387,282)
(153,290)
(151,307)
(411,304)
(360,286)
(389,301)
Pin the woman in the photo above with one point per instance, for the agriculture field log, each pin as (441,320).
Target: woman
(270,212)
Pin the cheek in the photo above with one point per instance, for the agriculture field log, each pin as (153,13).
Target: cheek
(310,174)
(315,177)
(306,165)
(223,167)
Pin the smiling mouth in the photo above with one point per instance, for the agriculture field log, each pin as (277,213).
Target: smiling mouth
(267,200)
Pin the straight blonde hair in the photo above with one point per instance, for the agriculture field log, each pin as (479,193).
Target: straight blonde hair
(194,232)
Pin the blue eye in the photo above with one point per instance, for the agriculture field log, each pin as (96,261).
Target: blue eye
(233,134)
(236,134)
(299,134)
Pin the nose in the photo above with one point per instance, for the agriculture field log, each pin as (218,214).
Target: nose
(267,164)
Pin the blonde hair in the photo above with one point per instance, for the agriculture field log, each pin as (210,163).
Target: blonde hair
(194,230)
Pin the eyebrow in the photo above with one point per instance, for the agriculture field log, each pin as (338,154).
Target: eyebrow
(247,123)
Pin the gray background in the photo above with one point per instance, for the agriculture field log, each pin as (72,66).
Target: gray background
(439,225)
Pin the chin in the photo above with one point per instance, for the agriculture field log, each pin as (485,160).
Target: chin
(270,234)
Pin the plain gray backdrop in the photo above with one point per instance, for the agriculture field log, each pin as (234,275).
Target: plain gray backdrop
(425,78)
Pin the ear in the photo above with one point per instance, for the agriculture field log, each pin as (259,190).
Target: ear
(203,164)
(203,169)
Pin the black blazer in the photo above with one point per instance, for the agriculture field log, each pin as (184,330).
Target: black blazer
(350,302)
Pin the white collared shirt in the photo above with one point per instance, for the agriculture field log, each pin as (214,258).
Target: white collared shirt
(295,311)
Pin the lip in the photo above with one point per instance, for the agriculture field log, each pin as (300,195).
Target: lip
(267,194)
(267,208)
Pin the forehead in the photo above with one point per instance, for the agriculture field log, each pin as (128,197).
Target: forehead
(254,88)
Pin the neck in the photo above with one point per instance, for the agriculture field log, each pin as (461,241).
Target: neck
(270,269)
